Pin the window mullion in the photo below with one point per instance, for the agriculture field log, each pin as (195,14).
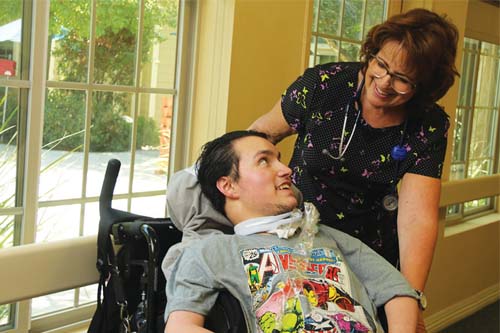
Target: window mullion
(36,105)
(88,104)
(135,110)
(342,9)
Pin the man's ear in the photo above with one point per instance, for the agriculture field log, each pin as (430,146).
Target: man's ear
(227,187)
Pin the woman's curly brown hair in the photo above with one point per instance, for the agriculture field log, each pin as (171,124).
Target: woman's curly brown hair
(430,42)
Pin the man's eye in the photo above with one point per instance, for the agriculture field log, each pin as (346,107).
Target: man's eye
(263,161)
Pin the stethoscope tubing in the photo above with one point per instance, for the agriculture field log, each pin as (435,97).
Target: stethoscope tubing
(398,152)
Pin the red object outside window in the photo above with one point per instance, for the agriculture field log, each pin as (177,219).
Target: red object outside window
(7,67)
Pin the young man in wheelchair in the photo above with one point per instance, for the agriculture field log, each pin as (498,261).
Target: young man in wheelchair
(285,277)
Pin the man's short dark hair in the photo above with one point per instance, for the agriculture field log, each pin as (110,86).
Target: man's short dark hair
(218,159)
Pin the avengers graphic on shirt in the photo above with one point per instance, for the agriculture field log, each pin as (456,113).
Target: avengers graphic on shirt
(288,297)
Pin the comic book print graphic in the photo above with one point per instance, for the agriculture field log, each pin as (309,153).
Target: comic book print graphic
(315,299)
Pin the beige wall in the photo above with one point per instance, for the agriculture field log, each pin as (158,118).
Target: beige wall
(269,51)
(268,48)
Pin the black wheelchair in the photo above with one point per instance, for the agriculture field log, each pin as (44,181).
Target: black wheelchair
(131,290)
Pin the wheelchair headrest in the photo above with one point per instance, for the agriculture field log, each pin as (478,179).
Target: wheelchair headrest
(188,207)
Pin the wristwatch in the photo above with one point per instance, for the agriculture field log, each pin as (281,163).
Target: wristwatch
(422,300)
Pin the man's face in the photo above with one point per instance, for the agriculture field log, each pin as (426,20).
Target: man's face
(264,186)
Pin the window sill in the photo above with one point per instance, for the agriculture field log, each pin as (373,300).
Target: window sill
(471,224)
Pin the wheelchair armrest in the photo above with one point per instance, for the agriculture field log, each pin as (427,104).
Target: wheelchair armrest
(226,316)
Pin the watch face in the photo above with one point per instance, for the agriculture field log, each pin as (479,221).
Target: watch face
(422,300)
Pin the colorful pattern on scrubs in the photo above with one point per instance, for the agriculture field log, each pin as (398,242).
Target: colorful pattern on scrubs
(348,192)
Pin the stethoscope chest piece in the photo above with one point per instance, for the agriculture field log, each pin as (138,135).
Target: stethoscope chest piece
(390,202)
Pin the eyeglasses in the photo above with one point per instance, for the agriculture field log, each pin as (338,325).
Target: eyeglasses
(401,84)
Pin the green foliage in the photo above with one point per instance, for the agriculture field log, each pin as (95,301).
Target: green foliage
(116,37)
(8,103)
(110,129)
(64,116)
(147,133)
(4,313)
(10,10)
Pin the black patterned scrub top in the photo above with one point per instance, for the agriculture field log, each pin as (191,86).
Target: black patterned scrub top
(348,192)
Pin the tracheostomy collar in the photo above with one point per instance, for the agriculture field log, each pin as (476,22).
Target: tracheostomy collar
(283,225)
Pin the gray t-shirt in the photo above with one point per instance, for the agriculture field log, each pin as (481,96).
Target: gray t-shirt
(343,284)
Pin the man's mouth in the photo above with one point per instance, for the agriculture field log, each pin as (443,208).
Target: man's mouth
(284,187)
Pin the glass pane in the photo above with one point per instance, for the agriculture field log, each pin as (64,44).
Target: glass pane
(6,315)
(63,139)
(54,302)
(110,137)
(7,223)
(375,14)
(460,135)
(116,41)
(478,204)
(159,44)
(327,50)
(153,142)
(10,38)
(349,51)
(352,22)
(88,294)
(479,167)
(329,17)
(314,27)
(487,85)
(57,223)
(150,206)
(457,171)
(452,210)
(312,51)
(69,37)
(483,124)
(471,44)
(91,219)
(9,106)
(468,78)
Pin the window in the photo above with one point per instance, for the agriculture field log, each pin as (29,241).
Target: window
(13,74)
(476,142)
(109,91)
(339,26)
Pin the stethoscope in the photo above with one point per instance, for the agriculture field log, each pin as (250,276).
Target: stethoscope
(398,152)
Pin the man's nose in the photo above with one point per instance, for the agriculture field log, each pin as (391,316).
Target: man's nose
(284,170)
